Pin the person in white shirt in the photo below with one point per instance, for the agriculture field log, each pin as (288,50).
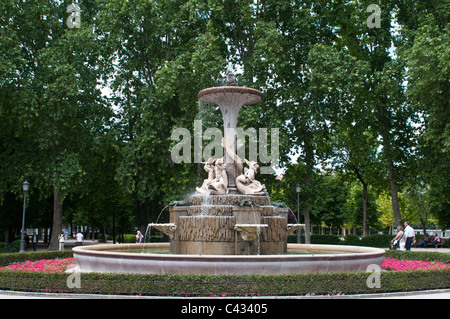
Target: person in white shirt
(410,236)
(61,241)
(79,239)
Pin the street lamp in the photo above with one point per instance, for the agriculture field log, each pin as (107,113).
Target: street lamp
(25,187)
(298,188)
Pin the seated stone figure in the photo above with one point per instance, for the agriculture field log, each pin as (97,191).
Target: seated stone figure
(247,184)
(219,184)
(209,168)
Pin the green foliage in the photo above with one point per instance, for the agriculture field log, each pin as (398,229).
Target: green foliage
(342,98)
(127,238)
(13,247)
(381,241)
(352,240)
(325,239)
(222,285)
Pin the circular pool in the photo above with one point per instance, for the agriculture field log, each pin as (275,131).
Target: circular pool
(301,258)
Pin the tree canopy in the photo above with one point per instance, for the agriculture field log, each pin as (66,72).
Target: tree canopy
(87,111)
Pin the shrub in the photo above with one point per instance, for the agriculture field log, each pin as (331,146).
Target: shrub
(325,239)
(225,285)
(292,238)
(128,238)
(381,241)
(352,240)
(13,247)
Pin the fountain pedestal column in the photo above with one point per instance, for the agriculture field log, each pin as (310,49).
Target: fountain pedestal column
(230,100)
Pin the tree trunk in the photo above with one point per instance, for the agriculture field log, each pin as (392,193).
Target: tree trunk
(394,195)
(57,220)
(114,228)
(364,234)
(6,237)
(384,132)
(364,185)
(104,233)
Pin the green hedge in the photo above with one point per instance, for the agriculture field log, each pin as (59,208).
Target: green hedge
(244,285)
(131,238)
(325,239)
(224,285)
(381,241)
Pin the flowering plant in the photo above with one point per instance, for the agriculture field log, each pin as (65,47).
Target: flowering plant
(44,265)
(403,265)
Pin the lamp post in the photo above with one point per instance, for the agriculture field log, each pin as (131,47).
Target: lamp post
(298,189)
(25,186)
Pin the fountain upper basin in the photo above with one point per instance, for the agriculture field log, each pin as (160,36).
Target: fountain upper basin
(224,94)
(107,259)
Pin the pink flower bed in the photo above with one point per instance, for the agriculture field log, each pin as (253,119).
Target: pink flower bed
(44,265)
(61,265)
(403,265)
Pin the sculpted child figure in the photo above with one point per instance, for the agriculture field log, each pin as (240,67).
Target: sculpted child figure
(219,184)
(209,168)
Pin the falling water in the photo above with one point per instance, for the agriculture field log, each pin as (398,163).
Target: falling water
(258,229)
(148,231)
(206,203)
(267,195)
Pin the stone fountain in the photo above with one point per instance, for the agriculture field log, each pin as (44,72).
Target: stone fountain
(239,219)
(228,226)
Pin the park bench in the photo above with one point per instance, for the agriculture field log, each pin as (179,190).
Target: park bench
(440,244)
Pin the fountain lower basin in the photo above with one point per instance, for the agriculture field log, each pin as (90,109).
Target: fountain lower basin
(108,259)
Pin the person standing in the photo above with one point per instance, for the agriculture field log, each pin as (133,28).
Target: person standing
(61,241)
(79,239)
(139,237)
(399,240)
(410,236)
(34,241)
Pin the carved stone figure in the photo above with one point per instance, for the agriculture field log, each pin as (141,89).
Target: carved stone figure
(209,168)
(219,184)
(247,184)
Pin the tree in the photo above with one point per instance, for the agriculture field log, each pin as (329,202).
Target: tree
(361,210)
(427,61)
(366,88)
(61,106)
(353,146)
(159,48)
(275,55)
